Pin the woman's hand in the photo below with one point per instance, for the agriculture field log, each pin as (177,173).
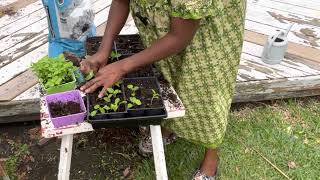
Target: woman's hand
(93,63)
(106,77)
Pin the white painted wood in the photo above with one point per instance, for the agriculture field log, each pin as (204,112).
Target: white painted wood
(6,2)
(11,70)
(310,4)
(65,157)
(261,14)
(22,23)
(256,50)
(31,93)
(292,36)
(284,7)
(158,153)
(21,13)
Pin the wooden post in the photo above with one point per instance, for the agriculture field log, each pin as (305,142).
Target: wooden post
(158,153)
(65,157)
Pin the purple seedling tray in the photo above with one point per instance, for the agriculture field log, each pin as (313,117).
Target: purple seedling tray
(74,96)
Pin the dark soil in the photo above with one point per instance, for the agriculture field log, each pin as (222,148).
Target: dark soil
(92,45)
(167,93)
(58,109)
(142,72)
(73,58)
(124,39)
(102,154)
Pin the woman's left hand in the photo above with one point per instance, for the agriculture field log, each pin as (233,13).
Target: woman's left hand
(106,77)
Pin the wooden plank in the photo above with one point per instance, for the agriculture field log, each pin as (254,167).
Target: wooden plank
(310,4)
(279,18)
(19,84)
(22,64)
(6,2)
(21,13)
(299,34)
(296,10)
(277,89)
(293,48)
(19,111)
(31,93)
(15,5)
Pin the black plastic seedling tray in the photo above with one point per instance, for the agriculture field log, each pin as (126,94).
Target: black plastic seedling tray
(131,117)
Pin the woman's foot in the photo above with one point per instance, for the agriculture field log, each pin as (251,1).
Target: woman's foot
(145,145)
(209,166)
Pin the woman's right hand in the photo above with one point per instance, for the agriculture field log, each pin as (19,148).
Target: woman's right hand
(93,63)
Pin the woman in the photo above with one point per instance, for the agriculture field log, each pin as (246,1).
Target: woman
(197,46)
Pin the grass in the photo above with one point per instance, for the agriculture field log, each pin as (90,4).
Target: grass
(287,133)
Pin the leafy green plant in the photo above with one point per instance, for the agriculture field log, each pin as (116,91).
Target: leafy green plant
(115,106)
(114,92)
(53,71)
(155,95)
(115,55)
(134,102)
(13,162)
(133,89)
(90,75)
(97,108)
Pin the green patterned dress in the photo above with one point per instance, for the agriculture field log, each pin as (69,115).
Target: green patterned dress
(204,73)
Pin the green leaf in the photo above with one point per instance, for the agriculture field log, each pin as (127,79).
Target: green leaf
(93,113)
(110,90)
(130,86)
(138,102)
(96,106)
(102,110)
(107,99)
(106,107)
(117,101)
(130,106)
(90,75)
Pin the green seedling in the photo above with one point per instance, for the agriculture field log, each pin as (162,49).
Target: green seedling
(155,95)
(115,55)
(97,109)
(115,106)
(90,75)
(53,71)
(118,84)
(133,89)
(114,92)
(134,102)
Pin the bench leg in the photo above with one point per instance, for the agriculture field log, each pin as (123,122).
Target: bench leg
(158,153)
(65,157)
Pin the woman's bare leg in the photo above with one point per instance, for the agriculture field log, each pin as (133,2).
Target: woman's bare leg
(210,162)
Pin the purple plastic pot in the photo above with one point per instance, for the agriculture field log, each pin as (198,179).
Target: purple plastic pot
(67,96)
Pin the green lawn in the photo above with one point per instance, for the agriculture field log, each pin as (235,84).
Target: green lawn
(285,132)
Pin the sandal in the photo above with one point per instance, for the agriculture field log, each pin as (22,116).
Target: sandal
(201,176)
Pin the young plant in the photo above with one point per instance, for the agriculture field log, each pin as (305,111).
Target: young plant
(53,71)
(97,108)
(155,95)
(133,89)
(90,75)
(134,102)
(115,106)
(118,84)
(115,55)
(114,92)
